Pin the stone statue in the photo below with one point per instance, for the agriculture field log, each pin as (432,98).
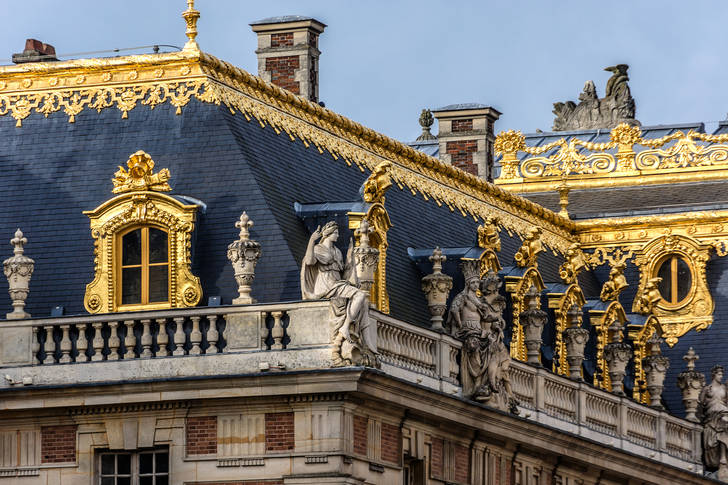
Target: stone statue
(325,274)
(616,107)
(478,321)
(426,121)
(713,413)
(649,297)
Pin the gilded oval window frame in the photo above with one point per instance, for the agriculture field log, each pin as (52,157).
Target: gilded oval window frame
(664,304)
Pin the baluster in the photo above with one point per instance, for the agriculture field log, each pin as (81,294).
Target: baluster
(49,346)
(213,335)
(81,343)
(65,345)
(98,342)
(195,336)
(179,336)
(146,339)
(35,348)
(264,332)
(129,340)
(162,337)
(114,341)
(277,331)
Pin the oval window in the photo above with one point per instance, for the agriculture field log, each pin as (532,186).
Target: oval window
(677,280)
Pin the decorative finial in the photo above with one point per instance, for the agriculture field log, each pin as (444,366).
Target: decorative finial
(244,224)
(18,242)
(139,177)
(426,121)
(690,358)
(437,259)
(564,190)
(18,271)
(191,16)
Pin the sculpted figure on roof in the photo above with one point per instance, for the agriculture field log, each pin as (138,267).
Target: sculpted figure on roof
(326,274)
(617,106)
(713,412)
(476,318)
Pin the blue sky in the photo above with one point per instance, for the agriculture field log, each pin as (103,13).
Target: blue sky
(383,61)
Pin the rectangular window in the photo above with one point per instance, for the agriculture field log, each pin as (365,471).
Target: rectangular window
(134,468)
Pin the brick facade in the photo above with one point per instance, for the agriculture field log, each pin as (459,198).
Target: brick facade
(391,441)
(283,72)
(461,154)
(201,435)
(462,125)
(279,432)
(462,464)
(436,458)
(283,39)
(58,444)
(361,435)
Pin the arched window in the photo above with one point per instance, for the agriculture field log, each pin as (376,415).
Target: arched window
(677,279)
(144,268)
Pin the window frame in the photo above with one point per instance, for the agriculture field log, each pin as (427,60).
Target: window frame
(145,304)
(673,258)
(135,467)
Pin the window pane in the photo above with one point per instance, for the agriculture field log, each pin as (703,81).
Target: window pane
(684,279)
(665,286)
(131,286)
(108,481)
(107,464)
(157,246)
(123,464)
(162,463)
(158,283)
(131,248)
(146,463)
(162,480)
(123,481)
(146,480)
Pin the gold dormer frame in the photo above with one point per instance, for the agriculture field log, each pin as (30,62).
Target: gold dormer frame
(137,208)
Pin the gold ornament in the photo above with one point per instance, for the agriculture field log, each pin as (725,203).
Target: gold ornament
(140,176)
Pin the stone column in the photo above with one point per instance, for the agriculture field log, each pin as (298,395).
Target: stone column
(244,254)
(18,271)
(617,354)
(436,287)
(655,366)
(690,383)
(366,258)
(533,320)
(575,338)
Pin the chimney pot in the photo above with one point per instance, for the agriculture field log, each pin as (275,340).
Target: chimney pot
(35,51)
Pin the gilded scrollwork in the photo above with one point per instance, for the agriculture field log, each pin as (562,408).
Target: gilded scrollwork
(527,254)
(575,262)
(489,240)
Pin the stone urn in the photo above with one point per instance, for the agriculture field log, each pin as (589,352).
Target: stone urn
(18,271)
(366,258)
(575,338)
(436,287)
(533,320)
(655,367)
(244,254)
(691,382)
(617,355)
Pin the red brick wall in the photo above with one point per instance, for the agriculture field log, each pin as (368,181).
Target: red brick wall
(462,464)
(282,72)
(436,458)
(361,435)
(509,472)
(201,435)
(279,432)
(284,39)
(462,125)
(391,441)
(58,444)
(461,153)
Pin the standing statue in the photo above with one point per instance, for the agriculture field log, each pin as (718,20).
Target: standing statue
(617,106)
(478,321)
(325,274)
(713,413)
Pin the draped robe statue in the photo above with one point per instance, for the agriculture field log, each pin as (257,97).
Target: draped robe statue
(713,411)
(325,274)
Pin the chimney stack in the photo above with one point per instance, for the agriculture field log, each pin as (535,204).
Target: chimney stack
(288,53)
(35,51)
(465,133)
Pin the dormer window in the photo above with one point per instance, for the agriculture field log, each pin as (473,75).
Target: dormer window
(144,267)
(142,245)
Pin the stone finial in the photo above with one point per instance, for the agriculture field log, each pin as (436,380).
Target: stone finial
(690,383)
(617,354)
(426,121)
(575,338)
(365,257)
(244,254)
(18,271)
(533,320)
(655,366)
(436,287)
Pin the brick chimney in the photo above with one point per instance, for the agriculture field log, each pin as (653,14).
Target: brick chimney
(466,137)
(288,53)
(35,51)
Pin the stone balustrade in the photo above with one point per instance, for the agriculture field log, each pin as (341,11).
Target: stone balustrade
(616,421)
